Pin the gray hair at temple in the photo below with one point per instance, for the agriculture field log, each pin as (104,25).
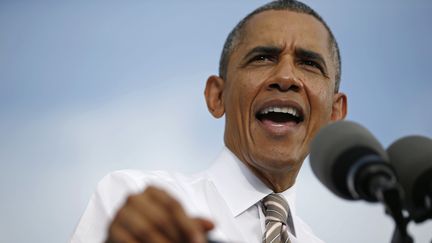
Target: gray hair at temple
(291,5)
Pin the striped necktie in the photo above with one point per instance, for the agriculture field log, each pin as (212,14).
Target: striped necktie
(277,219)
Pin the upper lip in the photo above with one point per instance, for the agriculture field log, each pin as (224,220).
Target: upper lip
(281,104)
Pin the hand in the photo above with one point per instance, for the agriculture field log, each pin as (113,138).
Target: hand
(154,216)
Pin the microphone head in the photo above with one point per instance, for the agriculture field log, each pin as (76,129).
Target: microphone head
(336,148)
(411,158)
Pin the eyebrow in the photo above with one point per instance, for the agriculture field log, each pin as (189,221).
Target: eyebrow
(310,55)
(300,53)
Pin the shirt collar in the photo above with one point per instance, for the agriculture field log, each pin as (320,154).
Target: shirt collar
(238,186)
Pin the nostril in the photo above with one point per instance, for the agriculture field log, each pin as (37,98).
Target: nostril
(274,86)
(295,88)
(278,86)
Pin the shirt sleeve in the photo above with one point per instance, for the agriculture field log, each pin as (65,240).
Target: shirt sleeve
(110,194)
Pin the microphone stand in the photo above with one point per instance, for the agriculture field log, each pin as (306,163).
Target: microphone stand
(377,182)
(421,212)
(388,192)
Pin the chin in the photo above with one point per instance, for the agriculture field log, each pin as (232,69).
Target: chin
(277,160)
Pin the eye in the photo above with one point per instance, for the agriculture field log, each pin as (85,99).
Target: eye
(314,66)
(263,58)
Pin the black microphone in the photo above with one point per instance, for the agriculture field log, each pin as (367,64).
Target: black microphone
(350,162)
(411,158)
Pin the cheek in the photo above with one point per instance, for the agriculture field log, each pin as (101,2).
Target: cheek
(321,98)
(238,98)
(244,90)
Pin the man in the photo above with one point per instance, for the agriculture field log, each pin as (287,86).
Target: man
(278,85)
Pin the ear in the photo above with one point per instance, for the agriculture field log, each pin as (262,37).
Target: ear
(340,106)
(214,95)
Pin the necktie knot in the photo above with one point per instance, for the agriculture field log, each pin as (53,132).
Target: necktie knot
(278,219)
(276,208)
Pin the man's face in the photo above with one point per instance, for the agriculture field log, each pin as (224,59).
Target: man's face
(279,90)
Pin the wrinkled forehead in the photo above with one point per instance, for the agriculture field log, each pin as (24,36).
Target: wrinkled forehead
(284,28)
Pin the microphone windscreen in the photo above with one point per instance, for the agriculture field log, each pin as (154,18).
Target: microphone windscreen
(411,158)
(334,150)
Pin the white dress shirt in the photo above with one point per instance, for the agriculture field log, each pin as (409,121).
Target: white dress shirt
(228,193)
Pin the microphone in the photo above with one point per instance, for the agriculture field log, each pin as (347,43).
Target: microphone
(351,163)
(411,158)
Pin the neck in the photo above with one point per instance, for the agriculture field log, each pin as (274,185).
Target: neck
(277,181)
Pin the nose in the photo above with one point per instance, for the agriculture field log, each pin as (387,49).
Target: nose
(285,79)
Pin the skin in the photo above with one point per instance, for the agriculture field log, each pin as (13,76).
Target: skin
(281,70)
(282,57)
(154,216)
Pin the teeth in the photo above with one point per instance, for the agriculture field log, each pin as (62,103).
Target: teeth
(289,110)
(293,111)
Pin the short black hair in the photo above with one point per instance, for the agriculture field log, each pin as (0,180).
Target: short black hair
(291,5)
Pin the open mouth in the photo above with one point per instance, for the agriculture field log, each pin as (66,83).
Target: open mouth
(280,115)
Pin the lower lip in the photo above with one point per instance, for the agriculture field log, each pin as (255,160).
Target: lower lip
(278,129)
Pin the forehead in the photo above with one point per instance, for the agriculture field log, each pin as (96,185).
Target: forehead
(287,29)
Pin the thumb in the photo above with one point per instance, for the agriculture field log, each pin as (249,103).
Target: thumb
(206,224)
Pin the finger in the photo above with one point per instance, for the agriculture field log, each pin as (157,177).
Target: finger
(205,224)
(131,220)
(117,234)
(190,230)
(157,217)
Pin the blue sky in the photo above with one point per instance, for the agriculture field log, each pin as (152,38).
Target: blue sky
(87,87)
